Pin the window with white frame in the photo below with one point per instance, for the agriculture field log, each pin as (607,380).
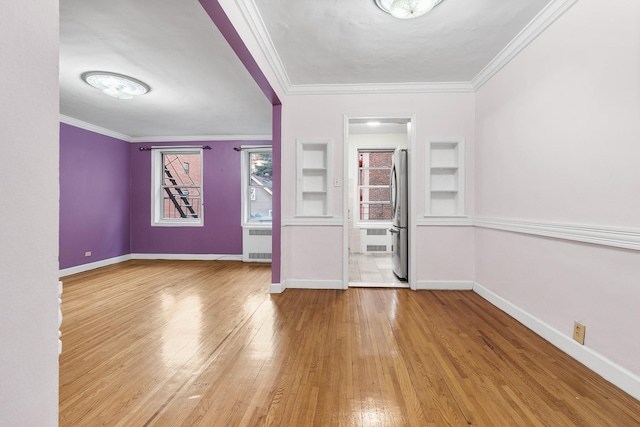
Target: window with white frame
(257,173)
(374,174)
(177,187)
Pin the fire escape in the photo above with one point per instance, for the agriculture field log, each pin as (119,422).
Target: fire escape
(178,192)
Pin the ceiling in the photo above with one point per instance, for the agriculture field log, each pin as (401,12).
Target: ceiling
(200,90)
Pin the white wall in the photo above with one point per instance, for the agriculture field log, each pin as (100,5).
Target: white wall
(323,117)
(557,141)
(29,277)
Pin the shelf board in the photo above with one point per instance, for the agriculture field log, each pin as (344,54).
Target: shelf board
(444,191)
(444,167)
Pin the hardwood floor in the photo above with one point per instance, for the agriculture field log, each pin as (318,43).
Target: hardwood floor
(185,343)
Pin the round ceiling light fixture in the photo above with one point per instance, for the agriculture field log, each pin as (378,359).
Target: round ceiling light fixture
(407,9)
(116,85)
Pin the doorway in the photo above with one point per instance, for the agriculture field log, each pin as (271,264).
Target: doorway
(369,149)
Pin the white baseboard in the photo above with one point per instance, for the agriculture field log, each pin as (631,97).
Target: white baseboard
(93,265)
(185,257)
(189,257)
(616,374)
(402,285)
(277,288)
(445,285)
(312,284)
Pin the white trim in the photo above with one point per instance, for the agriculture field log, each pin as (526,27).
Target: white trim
(345,201)
(554,10)
(199,138)
(93,128)
(140,139)
(616,374)
(537,26)
(157,183)
(189,257)
(116,260)
(254,20)
(445,221)
(323,221)
(626,238)
(381,88)
(401,285)
(312,284)
(245,182)
(93,265)
(412,189)
(448,285)
(276,288)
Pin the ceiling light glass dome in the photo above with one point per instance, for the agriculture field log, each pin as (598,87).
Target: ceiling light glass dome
(406,9)
(116,85)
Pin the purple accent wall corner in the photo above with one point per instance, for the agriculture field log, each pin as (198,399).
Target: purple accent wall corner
(94,197)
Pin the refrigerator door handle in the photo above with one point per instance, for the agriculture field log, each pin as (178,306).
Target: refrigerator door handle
(394,230)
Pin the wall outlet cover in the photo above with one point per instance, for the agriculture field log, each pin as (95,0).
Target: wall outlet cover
(578,332)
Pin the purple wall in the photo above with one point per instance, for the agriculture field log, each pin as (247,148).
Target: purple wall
(222,232)
(94,197)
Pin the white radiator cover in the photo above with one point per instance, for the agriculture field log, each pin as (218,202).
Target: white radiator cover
(375,240)
(256,244)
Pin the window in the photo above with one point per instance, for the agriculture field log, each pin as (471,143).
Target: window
(374,174)
(177,187)
(257,171)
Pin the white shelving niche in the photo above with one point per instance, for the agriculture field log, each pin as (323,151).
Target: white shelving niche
(313,173)
(444,177)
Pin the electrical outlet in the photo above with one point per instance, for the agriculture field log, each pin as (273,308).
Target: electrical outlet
(578,332)
(88,253)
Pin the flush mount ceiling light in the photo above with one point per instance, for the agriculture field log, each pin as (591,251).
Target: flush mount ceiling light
(407,9)
(116,85)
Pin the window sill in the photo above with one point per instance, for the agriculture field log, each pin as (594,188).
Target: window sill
(257,225)
(177,224)
(374,224)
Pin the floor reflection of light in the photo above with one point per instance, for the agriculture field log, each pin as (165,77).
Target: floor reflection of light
(394,306)
(262,344)
(372,413)
(181,333)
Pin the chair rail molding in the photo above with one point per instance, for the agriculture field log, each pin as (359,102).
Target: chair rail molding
(626,238)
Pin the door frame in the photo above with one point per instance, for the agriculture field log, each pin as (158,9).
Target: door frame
(412,228)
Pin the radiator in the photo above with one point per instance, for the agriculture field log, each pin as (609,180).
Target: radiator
(256,244)
(375,240)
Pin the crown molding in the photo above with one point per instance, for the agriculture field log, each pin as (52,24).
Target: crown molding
(200,138)
(547,16)
(136,139)
(537,26)
(381,88)
(254,20)
(94,128)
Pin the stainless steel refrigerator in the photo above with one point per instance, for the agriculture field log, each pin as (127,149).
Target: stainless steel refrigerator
(399,206)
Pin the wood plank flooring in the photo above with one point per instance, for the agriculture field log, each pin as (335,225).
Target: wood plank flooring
(202,343)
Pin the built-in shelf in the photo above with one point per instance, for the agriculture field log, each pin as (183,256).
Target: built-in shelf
(313,177)
(445,177)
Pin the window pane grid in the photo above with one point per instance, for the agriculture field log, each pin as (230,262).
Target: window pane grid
(260,195)
(374,173)
(181,186)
